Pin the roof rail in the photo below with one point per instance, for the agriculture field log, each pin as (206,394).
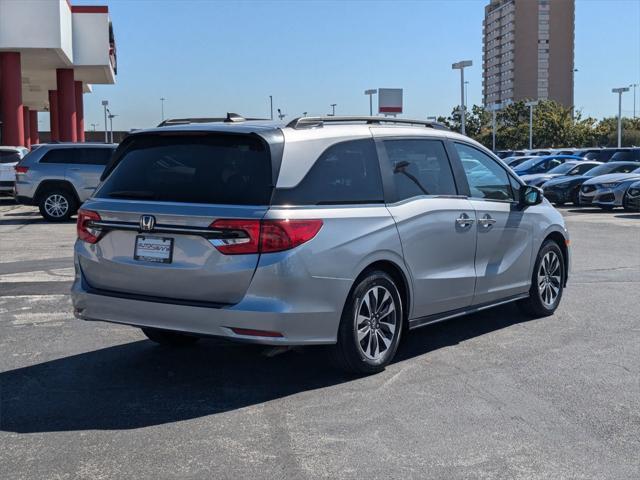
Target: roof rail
(230,118)
(310,122)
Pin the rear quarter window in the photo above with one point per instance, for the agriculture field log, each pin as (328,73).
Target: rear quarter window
(212,169)
(346,173)
(8,156)
(59,155)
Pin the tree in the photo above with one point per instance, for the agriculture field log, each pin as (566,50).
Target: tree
(554,126)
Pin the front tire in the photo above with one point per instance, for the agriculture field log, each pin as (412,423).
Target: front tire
(57,205)
(547,283)
(170,339)
(370,327)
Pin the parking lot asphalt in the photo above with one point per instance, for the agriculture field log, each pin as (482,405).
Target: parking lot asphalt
(491,395)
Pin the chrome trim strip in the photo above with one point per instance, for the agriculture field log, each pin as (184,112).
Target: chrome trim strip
(134,227)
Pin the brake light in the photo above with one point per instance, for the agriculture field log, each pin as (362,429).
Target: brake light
(21,169)
(86,232)
(263,236)
(279,235)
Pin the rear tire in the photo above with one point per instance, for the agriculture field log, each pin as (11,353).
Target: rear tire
(57,205)
(547,282)
(370,327)
(167,338)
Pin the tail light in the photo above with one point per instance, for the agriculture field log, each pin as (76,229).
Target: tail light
(19,169)
(86,231)
(263,236)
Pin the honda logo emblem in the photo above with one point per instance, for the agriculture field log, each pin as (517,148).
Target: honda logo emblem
(147,222)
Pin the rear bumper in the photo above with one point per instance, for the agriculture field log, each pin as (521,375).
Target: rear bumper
(310,326)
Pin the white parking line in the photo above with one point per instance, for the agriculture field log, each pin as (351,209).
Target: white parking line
(55,275)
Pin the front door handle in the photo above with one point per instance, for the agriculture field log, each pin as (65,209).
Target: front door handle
(464,221)
(487,221)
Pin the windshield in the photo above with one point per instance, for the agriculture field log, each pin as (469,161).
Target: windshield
(9,156)
(601,170)
(527,164)
(564,168)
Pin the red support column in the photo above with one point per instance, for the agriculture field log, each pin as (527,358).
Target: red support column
(33,127)
(66,105)
(27,130)
(79,112)
(11,99)
(53,115)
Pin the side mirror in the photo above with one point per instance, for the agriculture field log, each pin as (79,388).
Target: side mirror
(530,195)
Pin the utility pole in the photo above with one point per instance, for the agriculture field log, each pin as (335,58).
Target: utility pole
(271,103)
(371,92)
(531,105)
(634,86)
(461,66)
(162,99)
(105,104)
(620,91)
(333,107)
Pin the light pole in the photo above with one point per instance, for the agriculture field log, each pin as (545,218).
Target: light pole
(333,109)
(271,104)
(634,86)
(531,105)
(162,99)
(105,104)
(461,66)
(281,115)
(466,93)
(371,92)
(93,127)
(111,117)
(620,91)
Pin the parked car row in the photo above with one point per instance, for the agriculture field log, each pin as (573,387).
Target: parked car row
(582,182)
(597,154)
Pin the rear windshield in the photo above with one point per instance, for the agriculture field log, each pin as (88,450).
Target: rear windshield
(216,169)
(8,156)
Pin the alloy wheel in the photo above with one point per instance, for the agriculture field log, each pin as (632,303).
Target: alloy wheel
(376,322)
(56,205)
(549,278)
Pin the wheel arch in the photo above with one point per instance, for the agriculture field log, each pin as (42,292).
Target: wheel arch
(561,241)
(399,277)
(47,185)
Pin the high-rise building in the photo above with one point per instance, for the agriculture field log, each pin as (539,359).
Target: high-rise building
(528,51)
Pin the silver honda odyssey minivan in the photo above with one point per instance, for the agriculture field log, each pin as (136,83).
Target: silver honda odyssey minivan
(338,231)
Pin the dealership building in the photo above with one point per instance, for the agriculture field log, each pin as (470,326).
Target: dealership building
(51,53)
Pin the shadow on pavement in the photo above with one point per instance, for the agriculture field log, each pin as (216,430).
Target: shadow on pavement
(634,216)
(140,384)
(592,210)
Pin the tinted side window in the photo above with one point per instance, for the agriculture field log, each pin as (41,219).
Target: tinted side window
(420,167)
(93,156)
(488,179)
(345,173)
(59,155)
(580,169)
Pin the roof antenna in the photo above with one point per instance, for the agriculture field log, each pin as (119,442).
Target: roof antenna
(234,117)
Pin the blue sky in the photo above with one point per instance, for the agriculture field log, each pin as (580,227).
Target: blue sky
(210,57)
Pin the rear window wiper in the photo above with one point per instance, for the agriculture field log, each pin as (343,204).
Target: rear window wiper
(146,195)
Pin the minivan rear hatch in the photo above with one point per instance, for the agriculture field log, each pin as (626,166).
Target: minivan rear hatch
(154,216)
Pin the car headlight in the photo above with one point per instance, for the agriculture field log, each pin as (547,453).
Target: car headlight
(610,185)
